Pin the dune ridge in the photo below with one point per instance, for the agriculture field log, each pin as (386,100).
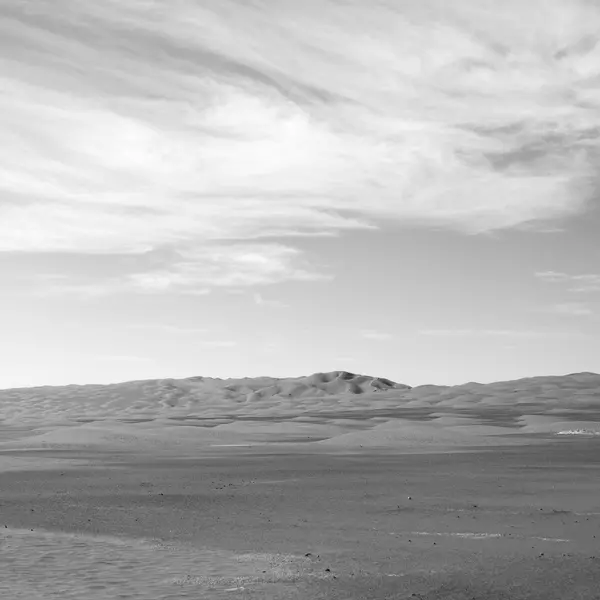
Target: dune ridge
(335,409)
(186,396)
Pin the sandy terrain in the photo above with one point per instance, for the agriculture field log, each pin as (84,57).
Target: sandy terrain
(331,486)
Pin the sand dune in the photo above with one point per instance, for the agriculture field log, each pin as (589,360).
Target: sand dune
(195,395)
(336,409)
(333,486)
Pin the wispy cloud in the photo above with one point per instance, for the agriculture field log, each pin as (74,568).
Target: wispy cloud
(572,309)
(587,282)
(229,265)
(124,358)
(129,126)
(378,336)
(170,329)
(196,271)
(493,333)
(218,343)
(260,300)
(197,335)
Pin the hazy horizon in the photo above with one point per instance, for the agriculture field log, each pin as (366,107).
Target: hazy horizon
(300,376)
(232,189)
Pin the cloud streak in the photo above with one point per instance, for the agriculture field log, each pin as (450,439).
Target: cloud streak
(586,282)
(260,300)
(571,309)
(377,336)
(196,270)
(216,344)
(494,333)
(197,335)
(170,329)
(124,358)
(133,126)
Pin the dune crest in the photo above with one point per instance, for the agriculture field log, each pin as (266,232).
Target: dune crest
(193,395)
(334,409)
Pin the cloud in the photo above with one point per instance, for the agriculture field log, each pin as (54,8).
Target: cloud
(448,332)
(169,329)
(493,333)
(218,344)
(260,300)
(588,282)
(196,270)
(229,265)
(378,336)
(133,126)
(124,358)
(552,276)
(573,309)
(197,333)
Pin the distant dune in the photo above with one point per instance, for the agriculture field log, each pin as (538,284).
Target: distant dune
(163,397)
(334,410)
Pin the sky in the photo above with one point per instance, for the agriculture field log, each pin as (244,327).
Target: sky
(230,188)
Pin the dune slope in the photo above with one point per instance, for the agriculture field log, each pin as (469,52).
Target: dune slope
(336,409)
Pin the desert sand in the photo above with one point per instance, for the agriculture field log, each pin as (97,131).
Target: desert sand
(330,486)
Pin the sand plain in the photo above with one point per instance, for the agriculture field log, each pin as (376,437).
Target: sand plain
(317,488)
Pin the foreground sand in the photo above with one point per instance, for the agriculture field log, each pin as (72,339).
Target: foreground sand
(513,523)
(472,492)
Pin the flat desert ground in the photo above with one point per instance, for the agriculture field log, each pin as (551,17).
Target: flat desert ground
(333,486)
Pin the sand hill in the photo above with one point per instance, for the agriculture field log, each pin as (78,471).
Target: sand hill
(337,409)
(191,396)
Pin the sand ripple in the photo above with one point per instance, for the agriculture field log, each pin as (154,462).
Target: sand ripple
(45,565)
